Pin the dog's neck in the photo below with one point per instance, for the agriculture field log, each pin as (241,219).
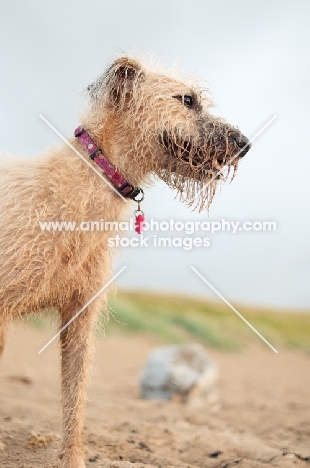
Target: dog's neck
(121,184)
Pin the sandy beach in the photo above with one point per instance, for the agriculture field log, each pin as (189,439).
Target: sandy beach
(261,418)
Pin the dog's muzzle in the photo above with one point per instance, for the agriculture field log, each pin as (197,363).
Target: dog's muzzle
(227,150)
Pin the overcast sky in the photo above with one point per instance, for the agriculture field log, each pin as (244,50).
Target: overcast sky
(255,56)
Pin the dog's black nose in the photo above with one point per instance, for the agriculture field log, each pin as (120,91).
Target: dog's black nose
(243,142)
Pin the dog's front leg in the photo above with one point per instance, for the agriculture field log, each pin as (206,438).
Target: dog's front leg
(76,353)
(2,335)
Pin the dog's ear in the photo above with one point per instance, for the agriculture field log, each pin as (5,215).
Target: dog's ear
(119,81)
(124,76)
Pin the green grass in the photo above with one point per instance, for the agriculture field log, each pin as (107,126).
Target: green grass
(39,321)
(178,319)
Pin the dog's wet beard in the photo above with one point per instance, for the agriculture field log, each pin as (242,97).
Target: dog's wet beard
(196,171)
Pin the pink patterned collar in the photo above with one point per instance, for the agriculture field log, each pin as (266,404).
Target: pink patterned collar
(120,183)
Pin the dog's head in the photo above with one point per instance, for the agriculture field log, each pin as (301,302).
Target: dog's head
(158,124)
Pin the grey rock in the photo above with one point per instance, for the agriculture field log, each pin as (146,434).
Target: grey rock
(184,370)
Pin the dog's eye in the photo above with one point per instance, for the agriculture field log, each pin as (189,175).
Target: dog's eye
(186,100)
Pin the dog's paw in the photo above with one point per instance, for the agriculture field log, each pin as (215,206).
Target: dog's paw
(72,463)
(71,460)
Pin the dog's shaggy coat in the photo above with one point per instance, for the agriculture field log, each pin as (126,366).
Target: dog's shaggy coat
(146,123)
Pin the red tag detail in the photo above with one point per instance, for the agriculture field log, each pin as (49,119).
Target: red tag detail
(139,224)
